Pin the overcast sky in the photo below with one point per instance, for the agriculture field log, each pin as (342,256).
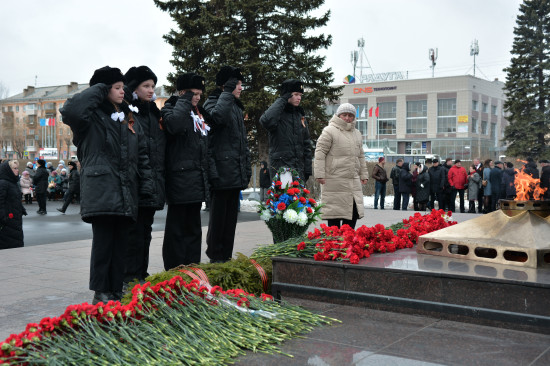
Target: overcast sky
(59,41)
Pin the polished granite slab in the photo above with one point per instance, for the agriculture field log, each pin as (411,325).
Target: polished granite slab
(416,283)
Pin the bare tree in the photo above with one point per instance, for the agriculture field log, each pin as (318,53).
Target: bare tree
(4,91)
(18,145)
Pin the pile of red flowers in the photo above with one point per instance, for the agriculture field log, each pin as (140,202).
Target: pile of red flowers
(142,302)
(347,244)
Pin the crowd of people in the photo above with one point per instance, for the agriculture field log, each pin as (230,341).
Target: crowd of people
(485,184)
(187,153)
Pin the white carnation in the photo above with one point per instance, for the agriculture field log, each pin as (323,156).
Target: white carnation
(290,216)
(266,215)
(302,219)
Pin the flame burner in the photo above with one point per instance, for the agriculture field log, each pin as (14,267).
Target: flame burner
(518,234)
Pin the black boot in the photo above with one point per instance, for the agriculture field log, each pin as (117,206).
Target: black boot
(103,297)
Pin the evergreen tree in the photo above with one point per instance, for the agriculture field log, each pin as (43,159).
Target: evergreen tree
(269,40)
(528,83)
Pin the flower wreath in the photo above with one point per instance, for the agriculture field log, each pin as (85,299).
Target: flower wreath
(289,203)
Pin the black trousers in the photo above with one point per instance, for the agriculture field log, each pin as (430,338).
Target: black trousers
(69,198)
(139,241)
(340,222)
(480,200)
(396,197)
(182,235)
(436,196)
(41,199)
(110,238)
(452,200)
(224,207)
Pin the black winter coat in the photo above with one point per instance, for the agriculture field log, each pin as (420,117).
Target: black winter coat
(437,178)
(74,181)
(423,187)
(394,175)
(148,118)
(40,180)
(113,157)
(446,185)
(186,159)
(265,177)
(531,169)
(508,179)
(545,181)
(289,141)
(11,209)
(405,179)
(228,153)
(496,181)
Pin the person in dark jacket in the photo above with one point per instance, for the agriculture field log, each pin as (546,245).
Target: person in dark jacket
(545,178)
(422,188)
(496,182)
(114,172)
(437,184)
(73,190)
(265,180)
(446,186)
(40,181)
(509,178)
(289,141)
(229,168)
(531,168)
(381,177)
(11,207)
(186,171)
(140,94)
(405,184)
(394,175)
(30,169)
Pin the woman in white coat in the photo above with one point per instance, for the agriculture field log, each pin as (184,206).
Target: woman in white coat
(341,169)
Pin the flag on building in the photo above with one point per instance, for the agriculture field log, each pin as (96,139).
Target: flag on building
(47,121)
(376,112)
(370,111)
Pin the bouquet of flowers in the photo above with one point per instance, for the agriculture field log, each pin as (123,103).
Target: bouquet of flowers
(288,210)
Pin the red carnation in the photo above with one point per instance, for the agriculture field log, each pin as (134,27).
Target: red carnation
(10,215)
(306,191)
(281,206)
(312,201)
(278,183)
(296,183)
(309,210)
(268,202)
(301,246)
(302,200)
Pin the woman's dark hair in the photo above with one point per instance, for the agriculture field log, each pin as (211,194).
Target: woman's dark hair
(487,163)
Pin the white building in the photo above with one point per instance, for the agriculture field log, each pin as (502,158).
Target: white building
(460,117)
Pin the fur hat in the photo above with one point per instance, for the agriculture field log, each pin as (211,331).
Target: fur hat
(137,75)
(107,75)
(190,80)
(291,86)
(345,108)
(72,163)
(41,162)
(226,73)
